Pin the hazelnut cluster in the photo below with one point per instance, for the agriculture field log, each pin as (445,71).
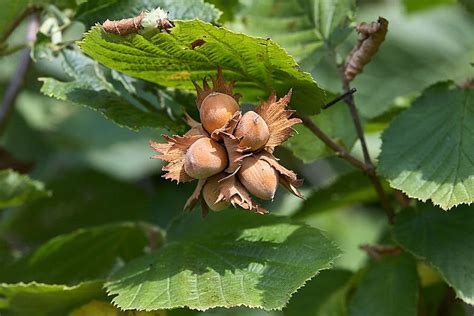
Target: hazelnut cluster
(230,153)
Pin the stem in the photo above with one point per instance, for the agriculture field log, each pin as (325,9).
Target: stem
(339,150)
(19,77)
(370,171)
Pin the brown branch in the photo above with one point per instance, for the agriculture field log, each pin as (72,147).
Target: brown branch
(339,150)
(19,77)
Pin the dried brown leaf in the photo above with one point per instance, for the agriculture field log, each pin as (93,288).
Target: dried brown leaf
(373,34)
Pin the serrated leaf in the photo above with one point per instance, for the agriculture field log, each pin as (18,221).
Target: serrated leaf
(168,59)
(94,87)
(45,299)
(305,28)
(232,258)
(85,254)
(17,189)
(444,240)
(427,151)
(97,11)
(98,200)
(336,122)
(389,287)
(323,296)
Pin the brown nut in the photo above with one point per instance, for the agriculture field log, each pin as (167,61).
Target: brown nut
(253,130)
(210,193)
(258,177)
(205,158)
(216,110)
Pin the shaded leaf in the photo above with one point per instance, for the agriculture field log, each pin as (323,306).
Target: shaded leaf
(94,87)
(305,28)
(324,295)
(232,258)
(427,151)
(258,65)
(349,189)
(444,241)
(85,254)
(81,198)
(97,11)
(389,287)
(17,189)
(44,299)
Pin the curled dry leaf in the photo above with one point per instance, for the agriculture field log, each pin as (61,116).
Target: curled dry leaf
(174,152)
(278,120)
(373,34)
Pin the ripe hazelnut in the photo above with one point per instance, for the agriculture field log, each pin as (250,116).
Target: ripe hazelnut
(253,130)
(210,193)
(258,177)
(216,110)
(205,158)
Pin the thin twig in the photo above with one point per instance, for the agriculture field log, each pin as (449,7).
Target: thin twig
(19,77)
(377,252)
(339,150)
(339,98)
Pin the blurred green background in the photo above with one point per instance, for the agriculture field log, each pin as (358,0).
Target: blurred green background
(92,165)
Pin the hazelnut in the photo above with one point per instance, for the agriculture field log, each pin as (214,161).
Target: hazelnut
(210,193)
(205,158)
(216,110)
(258,177)
(253,130)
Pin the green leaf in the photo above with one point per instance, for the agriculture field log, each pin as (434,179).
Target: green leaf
(97,11)
(389,287)
(445,241)
(305,28)
(258,65)
(17,189)
(325,295)
(352,188)
(336,122)
(232,258)
(45,299)
(427,151)
(94,87)
(85,254)
(82,198)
